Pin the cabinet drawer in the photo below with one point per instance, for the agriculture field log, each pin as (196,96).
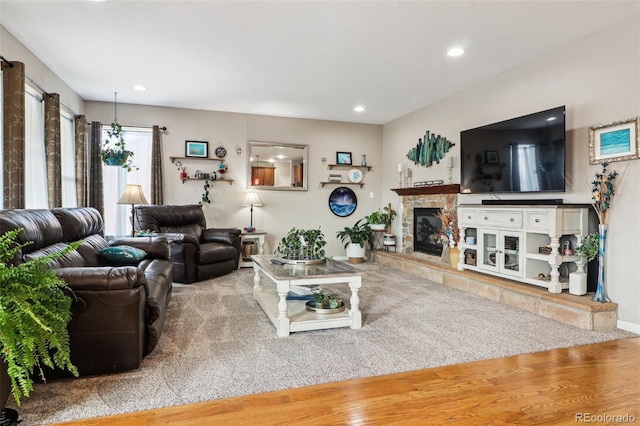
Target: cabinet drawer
(505,219)
(469,217)
(537,220)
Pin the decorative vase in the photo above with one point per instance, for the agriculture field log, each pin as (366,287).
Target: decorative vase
(364,160)
(454,257)
(600,295)
(445,252)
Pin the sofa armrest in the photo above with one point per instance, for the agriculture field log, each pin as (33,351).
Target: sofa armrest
(157,247)
(221,235)
(102,278)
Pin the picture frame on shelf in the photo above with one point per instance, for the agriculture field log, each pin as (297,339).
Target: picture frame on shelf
(197,149)
(491,157)
(617,141)
(343,158)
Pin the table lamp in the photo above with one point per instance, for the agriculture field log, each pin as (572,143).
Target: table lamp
(132,195)
(252,200)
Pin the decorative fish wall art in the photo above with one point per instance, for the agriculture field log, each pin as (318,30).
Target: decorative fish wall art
(429,149)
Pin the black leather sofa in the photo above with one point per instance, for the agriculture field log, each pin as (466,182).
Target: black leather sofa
(119,311)
(197,252)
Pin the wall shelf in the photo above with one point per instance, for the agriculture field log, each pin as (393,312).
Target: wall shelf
(174,159)
(348,166)
(217,180)
(361,184)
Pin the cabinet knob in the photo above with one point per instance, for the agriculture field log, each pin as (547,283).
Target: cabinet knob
(537,220)
(486,218)
(511,219)
(468,217)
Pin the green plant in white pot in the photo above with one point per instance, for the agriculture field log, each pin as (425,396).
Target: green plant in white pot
(588,248)
(354,239)
(301,244)
(35,307)
(377,220)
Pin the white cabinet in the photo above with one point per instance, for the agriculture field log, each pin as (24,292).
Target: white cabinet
(522,243)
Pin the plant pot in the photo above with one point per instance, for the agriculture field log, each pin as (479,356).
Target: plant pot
(355,253)
(377,226)
(117,159)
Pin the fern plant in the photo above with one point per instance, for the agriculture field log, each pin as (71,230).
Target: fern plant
(35,308)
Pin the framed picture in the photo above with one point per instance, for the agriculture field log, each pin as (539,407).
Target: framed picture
(617,141)
(491,157)
(343,201)
(343,158)
(196,149)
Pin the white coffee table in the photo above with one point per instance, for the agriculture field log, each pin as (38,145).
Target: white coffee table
(291,315)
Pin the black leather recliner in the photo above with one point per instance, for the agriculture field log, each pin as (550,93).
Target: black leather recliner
(118,312)
(197,252)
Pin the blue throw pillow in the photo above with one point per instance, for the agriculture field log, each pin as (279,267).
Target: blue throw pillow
(123,255)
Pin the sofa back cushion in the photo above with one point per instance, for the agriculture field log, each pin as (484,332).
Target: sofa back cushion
(79,222)
(40,227)
(188,219)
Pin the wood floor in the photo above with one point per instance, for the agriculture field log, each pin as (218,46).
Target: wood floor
(597,383)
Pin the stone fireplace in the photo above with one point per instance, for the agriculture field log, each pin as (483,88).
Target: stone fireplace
(423,199)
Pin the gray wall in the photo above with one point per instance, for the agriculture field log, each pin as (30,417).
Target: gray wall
(598,80)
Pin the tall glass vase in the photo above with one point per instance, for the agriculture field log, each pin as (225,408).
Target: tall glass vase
(600,295)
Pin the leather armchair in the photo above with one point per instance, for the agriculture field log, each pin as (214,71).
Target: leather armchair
(118,312)
(197,252)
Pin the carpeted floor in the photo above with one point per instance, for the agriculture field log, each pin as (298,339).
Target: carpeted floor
(218,343)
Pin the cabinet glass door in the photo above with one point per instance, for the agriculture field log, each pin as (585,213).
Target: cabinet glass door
(510,254)
(489,246)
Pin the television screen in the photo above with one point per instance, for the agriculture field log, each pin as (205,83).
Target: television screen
(523,154)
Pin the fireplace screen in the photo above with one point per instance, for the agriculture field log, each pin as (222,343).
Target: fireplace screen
(426,231)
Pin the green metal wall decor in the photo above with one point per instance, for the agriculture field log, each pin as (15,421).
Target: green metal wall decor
(429,149)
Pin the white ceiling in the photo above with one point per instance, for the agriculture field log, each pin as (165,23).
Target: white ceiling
(308,59)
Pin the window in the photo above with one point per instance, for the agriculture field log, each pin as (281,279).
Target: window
(117,217)
(36,195)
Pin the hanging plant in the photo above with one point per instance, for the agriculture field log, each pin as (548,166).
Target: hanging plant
(114,150)
(207,185)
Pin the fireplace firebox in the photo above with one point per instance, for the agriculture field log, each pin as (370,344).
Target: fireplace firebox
(426,231)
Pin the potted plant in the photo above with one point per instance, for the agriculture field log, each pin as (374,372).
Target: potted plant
(354,240)
(114,151)
(377,220)
(390,214)
(589,249)
(35,307)
(302,245)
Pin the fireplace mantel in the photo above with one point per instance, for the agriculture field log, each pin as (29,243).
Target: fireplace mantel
(425,190)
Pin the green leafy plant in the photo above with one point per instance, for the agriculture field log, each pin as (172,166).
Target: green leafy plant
(35,307)
(589,247)
(377,218)
(114,149)
(326,300)
(207,186)
(360,233)
(302,244)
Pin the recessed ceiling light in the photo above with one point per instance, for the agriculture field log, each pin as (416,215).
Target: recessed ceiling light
(455,51)
(139,88)
(359,108)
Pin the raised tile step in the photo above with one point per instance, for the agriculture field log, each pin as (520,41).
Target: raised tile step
(579,311)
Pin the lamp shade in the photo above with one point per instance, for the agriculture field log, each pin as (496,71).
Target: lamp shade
(133,195)
(252,199)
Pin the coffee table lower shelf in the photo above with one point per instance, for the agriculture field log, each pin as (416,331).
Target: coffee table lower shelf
(297,315)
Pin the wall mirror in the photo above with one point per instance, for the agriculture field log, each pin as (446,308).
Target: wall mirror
(277,166)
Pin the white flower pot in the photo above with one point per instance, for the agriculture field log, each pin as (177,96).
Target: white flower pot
(355,253)
(578,283)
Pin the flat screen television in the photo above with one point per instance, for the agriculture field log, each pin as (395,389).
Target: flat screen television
(523,154)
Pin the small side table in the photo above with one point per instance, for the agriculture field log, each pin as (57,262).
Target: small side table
(258,239)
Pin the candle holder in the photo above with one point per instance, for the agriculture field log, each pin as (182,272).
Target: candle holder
(400,177)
